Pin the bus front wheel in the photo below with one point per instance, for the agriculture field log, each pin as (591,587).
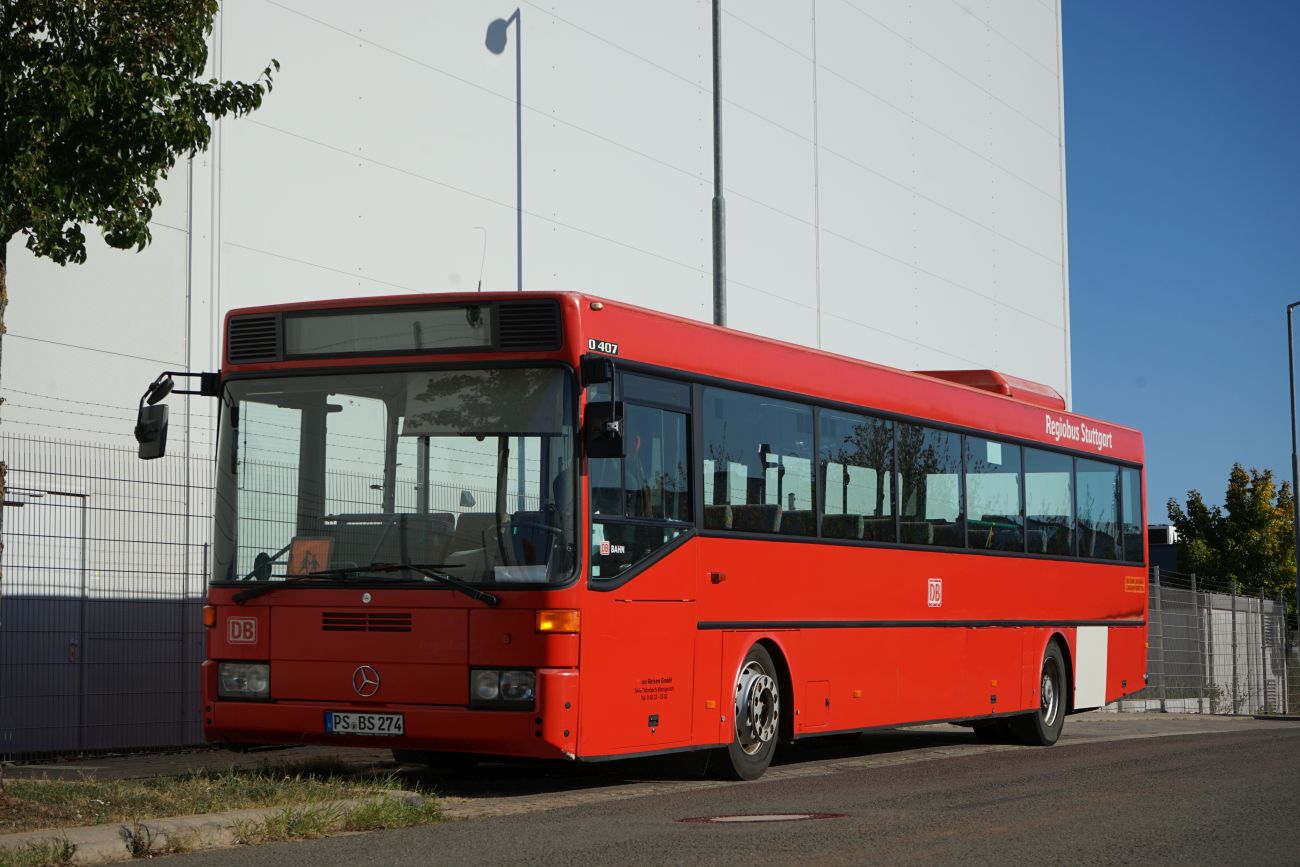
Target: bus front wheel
(756,716)
(1042,727)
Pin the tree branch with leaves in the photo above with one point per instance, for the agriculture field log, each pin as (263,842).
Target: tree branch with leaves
(1248,543)
(98,100)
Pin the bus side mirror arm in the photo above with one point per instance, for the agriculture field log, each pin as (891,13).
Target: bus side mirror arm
(151,418)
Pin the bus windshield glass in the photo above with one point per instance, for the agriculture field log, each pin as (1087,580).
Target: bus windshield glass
(466,472)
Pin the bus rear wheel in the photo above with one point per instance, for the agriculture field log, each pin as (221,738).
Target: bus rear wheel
(1042,727)
(756,716)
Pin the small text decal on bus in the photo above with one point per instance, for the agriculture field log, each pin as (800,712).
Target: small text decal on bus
(934,597)
(604,346)
(606,549)
(241,630)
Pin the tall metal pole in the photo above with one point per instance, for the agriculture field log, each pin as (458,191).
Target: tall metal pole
(1234,646)
(1295,464)
(496,43)
(1201,667)
(1160,618)
(719,204)
(1263,658)
(519,152)
(81,635)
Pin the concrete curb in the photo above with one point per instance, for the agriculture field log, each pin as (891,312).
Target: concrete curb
(123,841)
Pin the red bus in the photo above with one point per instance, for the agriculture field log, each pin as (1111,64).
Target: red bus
(555,526)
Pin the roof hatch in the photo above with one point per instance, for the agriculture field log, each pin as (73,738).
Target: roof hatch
(1004,384)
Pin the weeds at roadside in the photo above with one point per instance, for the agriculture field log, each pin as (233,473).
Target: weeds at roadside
(295,823)
(384,813)
(305,823)
(39,855)
(34,804)
(142,842)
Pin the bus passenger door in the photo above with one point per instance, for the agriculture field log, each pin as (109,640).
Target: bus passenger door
(639,631)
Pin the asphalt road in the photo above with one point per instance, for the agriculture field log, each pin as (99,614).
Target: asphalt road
(1150,790)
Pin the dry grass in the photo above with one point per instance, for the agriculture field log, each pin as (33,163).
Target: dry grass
(38,855)
(30,805)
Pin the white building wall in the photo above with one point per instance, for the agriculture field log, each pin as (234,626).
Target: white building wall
(894,176)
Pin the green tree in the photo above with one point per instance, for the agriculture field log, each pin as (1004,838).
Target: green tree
(98,99)
(1249,541)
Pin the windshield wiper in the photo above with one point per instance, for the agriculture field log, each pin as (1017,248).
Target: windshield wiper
(428,570)
(292,578)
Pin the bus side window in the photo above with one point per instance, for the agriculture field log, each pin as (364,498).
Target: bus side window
(1131,481)
(1049,502)
(929,469)
(757,464)
(654,469)
(1097,504)
(856,466)
(993,501)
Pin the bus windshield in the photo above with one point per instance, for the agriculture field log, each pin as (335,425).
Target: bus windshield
(466,472)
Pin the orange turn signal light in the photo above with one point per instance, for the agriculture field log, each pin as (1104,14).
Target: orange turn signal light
(558,620)
(209,616)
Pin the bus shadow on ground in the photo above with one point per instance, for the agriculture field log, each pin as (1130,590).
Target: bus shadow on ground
(496,778)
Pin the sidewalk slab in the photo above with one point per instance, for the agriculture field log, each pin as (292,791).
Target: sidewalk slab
(124,841)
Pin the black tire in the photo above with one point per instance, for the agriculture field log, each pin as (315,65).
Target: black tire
(1042,727)
(994,731)
(756,718)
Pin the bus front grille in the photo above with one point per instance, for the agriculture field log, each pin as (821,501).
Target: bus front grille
(365,621)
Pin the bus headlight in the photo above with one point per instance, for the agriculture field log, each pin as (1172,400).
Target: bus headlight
(489,687)
(243,680)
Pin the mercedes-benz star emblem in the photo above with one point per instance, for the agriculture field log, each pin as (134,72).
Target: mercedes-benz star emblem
(365,680)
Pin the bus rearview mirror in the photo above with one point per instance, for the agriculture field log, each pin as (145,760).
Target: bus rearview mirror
(603,430)
(597,370)
(151,431)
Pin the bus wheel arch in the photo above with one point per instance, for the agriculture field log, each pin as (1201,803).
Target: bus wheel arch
(1068,657)
(785,722)
(1042,726)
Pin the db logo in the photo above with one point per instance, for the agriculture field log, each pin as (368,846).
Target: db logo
(934,597)
(241,630)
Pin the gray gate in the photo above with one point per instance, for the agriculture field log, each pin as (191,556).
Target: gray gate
(104,576)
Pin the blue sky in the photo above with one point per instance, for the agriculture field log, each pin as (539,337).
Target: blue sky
(1182,126)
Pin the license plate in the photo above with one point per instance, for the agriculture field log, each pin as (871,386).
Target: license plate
(364,723)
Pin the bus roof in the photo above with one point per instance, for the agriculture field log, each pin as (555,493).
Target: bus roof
(984,400)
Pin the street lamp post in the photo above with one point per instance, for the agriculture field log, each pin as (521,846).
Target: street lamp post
(1295,464)
(496,43)
(719,204)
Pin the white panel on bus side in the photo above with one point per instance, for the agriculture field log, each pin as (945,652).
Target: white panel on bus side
(1090,666)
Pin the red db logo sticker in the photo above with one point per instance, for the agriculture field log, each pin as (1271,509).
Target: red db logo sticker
(934,597)
(241,630)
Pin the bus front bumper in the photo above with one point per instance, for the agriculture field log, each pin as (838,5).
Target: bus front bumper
(548,731)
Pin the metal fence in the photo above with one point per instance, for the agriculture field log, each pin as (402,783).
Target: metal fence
(1213,652)
(104,578)
(105,570)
